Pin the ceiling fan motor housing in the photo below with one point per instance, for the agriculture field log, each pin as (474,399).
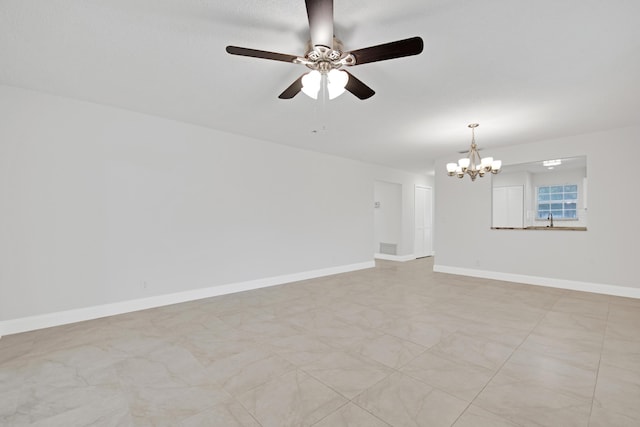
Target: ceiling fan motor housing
(324,58)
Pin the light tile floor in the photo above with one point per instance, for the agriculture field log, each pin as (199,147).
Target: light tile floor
(395,345)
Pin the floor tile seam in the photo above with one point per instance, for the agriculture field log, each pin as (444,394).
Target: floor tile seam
(566,393)
(236,394)
(330,340)
(525,423)
(236,397)
(427,348)
(404,365)
(595,383)
(351,401)
(500,416)
(127,389)
(583,336)
(386,376)
(459,361)
(472,402)
(347,401)
(354,351)
(509,419)
(239,402)
(434,387)
(580,365)
(207,407)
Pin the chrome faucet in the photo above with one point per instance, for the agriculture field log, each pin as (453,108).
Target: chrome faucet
(550,219)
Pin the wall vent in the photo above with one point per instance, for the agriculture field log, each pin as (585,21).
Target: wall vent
(388,248)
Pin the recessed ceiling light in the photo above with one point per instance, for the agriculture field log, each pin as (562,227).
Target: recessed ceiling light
(555,162)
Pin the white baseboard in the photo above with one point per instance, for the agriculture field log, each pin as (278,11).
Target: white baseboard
(24,324)
(400,258)
(598,288)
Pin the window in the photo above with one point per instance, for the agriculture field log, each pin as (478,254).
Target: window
(559,200)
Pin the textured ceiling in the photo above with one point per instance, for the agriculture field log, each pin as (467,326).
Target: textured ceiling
(524,70)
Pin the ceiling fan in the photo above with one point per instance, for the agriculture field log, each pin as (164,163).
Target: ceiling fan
(325,57)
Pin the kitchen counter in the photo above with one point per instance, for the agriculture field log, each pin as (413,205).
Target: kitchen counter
(537,227)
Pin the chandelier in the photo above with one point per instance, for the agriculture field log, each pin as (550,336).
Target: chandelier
(473,165)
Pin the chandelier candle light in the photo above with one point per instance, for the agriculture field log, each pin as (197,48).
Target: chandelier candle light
(473,165)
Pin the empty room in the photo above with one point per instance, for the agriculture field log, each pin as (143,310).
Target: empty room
(319,213)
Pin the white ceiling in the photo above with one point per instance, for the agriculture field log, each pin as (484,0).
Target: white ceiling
(524,70)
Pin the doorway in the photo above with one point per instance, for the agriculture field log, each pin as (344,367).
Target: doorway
(387,218)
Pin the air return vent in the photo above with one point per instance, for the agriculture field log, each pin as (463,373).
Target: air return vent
(388,248)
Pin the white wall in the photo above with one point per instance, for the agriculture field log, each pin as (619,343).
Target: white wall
(96,202)
(387,215)
(603,255)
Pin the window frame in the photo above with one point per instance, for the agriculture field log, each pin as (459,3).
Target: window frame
(559,196)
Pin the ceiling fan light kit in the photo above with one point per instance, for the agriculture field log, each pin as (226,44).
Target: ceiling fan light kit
(314,81)
(325,56)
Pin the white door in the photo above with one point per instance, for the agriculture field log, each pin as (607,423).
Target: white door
(423,238)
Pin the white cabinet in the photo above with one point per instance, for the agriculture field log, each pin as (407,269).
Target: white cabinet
(508,206)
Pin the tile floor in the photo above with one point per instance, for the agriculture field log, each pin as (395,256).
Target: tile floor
(397,345)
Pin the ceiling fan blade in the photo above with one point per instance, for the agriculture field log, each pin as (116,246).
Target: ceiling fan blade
(255,53)
(382,52)
(320,13)
(358,88)
(292,90)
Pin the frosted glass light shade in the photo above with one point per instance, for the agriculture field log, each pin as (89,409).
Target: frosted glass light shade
(311,84)
(451,167)
(486,162)
(496,165)
(464,163)
(336,82)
